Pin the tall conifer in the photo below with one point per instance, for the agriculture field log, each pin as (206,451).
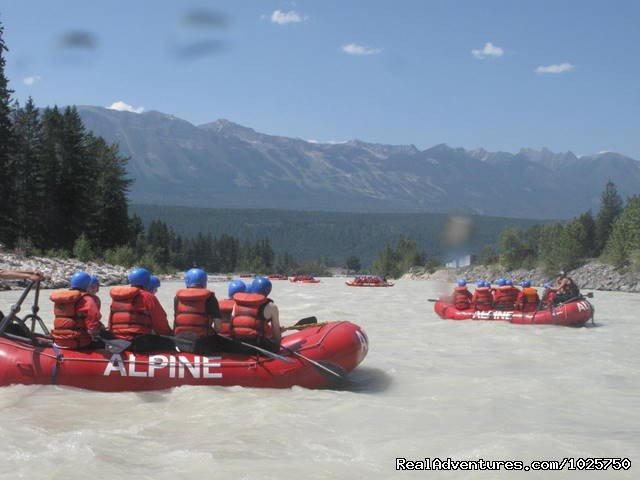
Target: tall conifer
(7,217)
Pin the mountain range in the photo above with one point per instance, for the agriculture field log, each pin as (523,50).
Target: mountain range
(226,165)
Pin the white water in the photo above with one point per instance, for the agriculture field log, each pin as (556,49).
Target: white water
(429,388)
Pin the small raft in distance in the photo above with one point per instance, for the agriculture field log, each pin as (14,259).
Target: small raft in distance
(369,281)
(304,279)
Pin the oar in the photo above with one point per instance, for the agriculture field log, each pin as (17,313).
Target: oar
(114,345)
(326,368)
(258,349)
(15,308)
(307,320)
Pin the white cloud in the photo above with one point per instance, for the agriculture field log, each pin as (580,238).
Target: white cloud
(31,80)
(284,18)
(355,49)
(558,68)
(489,50)
(123,107)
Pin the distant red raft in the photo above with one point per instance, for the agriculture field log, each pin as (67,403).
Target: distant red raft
(304,279)
(574,313)
(35,361)
(382,283)
(277,276)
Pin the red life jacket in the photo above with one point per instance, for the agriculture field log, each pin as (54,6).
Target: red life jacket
(505,298)
(247,318)
(461,298)
(528,299)
(482,299)
(548,296)
(129,316)
(226,307)
(191,312)
(69,328)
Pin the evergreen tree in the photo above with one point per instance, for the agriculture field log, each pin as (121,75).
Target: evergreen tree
(30,194)
(589,226)
(353,263)
(610,208)
(51,160)
(625,234)
(7,225)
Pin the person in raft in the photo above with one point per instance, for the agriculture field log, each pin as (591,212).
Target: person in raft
(137,315)
(482,298)
(93,289)
(505,295)
(462,296)
(528,299)
(196,312)
(77,315)
(255,318)
(154,284)
(226,306)
(548,295)
(566,289)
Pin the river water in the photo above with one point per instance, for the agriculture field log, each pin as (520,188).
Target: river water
(428,388)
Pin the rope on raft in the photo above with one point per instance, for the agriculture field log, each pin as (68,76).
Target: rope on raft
(302,327)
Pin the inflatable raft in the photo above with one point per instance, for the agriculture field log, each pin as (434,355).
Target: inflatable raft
(572,313)
(304,279)
(381,283)
(338,346)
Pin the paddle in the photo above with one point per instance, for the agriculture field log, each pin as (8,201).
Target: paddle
(326,368)
(114,345)
(258,349)
(306,321)
(15,308)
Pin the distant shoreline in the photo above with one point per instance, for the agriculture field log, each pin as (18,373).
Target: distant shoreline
(592,276)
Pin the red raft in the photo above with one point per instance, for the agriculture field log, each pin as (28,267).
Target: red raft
(355,283)
(573,313)
(35,361)
(304,279)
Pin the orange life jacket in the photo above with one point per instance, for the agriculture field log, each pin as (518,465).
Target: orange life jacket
(482,299)
(505,298)
(461,298)
(528,299)
(191,312)
(226,307)
(247,319)
(129,316)
(69,328)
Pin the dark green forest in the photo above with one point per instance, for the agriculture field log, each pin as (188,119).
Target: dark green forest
(331,236)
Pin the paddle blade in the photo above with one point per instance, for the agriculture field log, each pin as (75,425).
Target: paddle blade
(116,346)
(307,321)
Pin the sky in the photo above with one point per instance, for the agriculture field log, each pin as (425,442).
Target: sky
(500,75)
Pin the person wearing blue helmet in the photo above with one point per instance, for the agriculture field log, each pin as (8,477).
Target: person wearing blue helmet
(197,313)
(505,295)
(93,289)
(548,295)
(462,296)
(77,316)
(138,316)
(154,284)
(255,318)
(482,298)
(227,304)
(528,299)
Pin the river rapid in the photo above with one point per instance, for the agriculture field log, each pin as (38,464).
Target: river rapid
(428,388)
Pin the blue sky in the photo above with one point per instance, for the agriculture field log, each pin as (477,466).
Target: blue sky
(494,74)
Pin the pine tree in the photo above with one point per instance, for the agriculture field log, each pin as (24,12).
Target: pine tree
(7,223)
(30,182)
(51,160)
(610,208)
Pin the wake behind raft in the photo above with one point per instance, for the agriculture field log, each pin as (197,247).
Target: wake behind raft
(27,357)
(572,313)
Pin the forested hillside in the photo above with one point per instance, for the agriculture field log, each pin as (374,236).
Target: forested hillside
(329,235)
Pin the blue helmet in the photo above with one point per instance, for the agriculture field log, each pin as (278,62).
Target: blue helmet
(154,284)
(139,277)
(261,285)
(548,285)
(480,283)
(236,286)
(501,282)
(486,283)
(462,283)
(80,280)
(95,281)
(196,277)
(525,284)
(509,282)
